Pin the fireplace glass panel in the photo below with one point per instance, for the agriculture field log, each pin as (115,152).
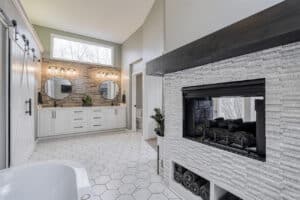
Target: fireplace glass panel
(227,116)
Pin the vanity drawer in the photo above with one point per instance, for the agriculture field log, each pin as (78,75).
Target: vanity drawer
(79,128)
(78,118)
(97,110)
(96,126)
(78,112)
(78,124)
(79,115)
(96,118)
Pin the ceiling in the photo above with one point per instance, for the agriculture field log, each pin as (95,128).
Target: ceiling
(111,20)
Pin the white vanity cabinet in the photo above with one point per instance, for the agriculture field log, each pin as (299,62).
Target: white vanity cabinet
(61,121)
(45,122)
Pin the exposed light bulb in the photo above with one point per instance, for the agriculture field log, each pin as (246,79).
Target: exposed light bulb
(98,75)
(68,72)
(62,70)
(56,70)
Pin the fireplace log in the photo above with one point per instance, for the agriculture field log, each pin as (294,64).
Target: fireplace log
(219,119)
(178,177)
(204,191)
(241,138)
(229,196)
(249,127)
(195,187)
(232,127)
(223,124)
(211,123)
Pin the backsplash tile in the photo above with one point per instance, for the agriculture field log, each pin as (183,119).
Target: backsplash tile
(84,82)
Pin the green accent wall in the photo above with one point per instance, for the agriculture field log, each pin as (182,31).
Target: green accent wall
(44,34)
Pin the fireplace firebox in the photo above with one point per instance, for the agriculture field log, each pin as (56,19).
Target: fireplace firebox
(230,116)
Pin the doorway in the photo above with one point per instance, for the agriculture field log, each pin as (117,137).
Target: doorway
(137,88)
(137,102)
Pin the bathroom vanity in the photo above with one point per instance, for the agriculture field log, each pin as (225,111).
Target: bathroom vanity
(59,121)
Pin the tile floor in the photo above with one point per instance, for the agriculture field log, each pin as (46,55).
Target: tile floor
(121,166)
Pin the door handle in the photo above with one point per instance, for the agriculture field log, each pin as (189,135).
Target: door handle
(29,111)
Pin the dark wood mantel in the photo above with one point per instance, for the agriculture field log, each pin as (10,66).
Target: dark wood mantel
(272,27)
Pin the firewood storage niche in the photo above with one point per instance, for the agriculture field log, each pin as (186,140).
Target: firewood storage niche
(230,116)
(192,182)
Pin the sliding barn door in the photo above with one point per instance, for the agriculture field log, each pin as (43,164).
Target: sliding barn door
(3,97)
(22,89)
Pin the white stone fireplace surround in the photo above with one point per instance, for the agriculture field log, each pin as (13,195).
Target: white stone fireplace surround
(276,179)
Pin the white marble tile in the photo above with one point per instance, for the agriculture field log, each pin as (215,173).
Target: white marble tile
(99,189)
(157,188)
(110,195)
(114,184)
(102,179)
(129,179)
(125,197)
(120,166)
(142,183)
(127,188)
(142,194)
(158,197)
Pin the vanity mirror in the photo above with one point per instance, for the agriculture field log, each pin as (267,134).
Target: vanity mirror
(109,90)
(58,88)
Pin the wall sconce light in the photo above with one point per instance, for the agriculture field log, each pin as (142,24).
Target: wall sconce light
(49,70)
(61,71)
(100,75)
(106,75)
(52,70)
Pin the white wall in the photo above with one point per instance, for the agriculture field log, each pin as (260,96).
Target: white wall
(190,20)
(153,32)
(146,44)
(153,46)
(131,52)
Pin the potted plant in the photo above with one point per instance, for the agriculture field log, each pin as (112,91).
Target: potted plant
(160,120)
(87,101)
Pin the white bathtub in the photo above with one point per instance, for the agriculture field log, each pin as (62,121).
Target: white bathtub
(45,181)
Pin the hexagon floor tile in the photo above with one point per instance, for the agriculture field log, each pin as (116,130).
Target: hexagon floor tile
(158,197)
(157,188)
(142,194)
(127,188)
(99,189)
(114,184)
(121,166)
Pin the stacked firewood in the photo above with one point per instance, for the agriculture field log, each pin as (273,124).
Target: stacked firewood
(192,182)
(231,132)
